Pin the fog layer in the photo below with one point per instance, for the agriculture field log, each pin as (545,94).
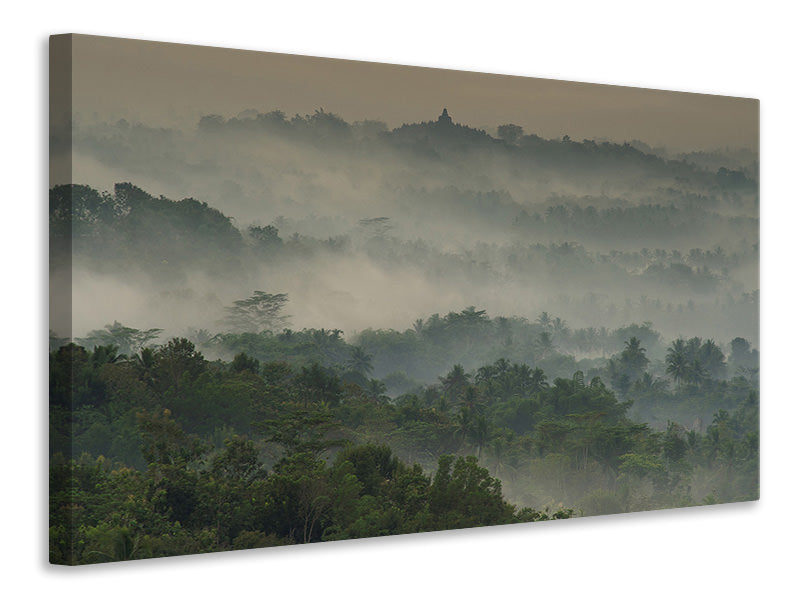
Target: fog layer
(374,228)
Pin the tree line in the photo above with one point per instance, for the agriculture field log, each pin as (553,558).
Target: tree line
(160,451)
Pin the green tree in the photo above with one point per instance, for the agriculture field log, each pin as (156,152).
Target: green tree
(117,543)
(128,340)
(633,358)
(373,465)
(678,361)
(172,458)
(241,362)
(69,374)
(299,498)
(165,444)
(742,356)
(238,461)
(315,385)
(259,312)
(360,362)
(712,359)
(463,494)
(302,430)
(455,383)
(177,360)
(480,433)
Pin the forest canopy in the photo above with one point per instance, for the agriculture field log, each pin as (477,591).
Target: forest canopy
(333,330)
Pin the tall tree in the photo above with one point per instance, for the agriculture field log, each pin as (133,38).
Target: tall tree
(455,383)
(712,359)
(298,430)
(259,312)
(633,358)
(175,360)
(360,362)
(678,361)
(128,339)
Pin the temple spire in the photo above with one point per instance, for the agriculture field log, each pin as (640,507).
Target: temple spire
(445,118)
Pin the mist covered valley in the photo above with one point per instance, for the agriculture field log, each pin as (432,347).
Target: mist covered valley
(369,228)
(580,316)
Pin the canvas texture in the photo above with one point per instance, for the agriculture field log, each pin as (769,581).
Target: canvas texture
(298,299)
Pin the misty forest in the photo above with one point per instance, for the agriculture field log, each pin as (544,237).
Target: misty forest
(299,329)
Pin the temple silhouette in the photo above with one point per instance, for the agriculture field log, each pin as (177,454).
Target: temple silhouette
(444,118)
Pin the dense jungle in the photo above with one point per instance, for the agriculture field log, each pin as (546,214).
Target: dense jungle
(341,330)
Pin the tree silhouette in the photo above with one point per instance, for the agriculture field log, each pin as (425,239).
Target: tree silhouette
(678,363)
(128,340)
(259,312)
(510,133)
(360,362)
(455,382)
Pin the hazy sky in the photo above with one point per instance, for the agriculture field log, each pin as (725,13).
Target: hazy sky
(174,84)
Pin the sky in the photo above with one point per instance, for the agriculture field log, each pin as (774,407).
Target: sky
(175,84)
(162,84)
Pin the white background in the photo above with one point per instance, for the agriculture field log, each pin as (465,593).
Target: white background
(732,48)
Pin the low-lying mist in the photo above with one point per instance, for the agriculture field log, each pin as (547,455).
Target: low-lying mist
(366,228)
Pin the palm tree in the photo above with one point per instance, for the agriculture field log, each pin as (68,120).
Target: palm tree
(480,433)
(145,364)
(121,543)
(678,367)
(471,315)
(538,380)
(678,364)
(544,343)
(633,358)
(377,389)
(463,423)
(559,326)
(471,398)
(544,320)
(648,383)
(712,359)
(360,361)
(697,373)
(455,382)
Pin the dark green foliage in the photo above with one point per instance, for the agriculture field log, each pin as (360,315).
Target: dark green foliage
(463,494)
(79,213)
(195,456)
(241,362)
(372,465)
(302,430)
(315,385)
(164,236)
(177,364)
(694,361)
(238,461)
(68,375)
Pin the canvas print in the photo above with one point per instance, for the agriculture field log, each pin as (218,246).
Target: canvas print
(297,299)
